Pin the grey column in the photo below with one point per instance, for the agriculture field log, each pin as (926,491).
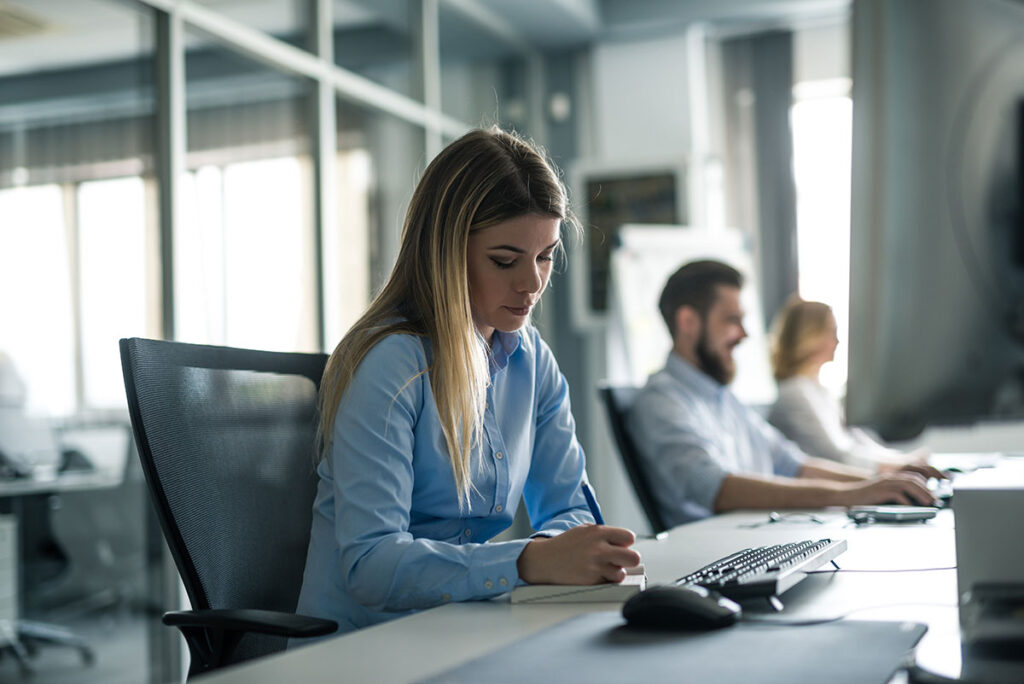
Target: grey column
(772,75)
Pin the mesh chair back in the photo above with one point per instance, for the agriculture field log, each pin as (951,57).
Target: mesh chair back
(617,401)
(226,441)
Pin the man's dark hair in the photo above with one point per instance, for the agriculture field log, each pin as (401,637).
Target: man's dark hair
(694,285)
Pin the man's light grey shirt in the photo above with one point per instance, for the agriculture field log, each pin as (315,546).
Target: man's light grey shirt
(691,432)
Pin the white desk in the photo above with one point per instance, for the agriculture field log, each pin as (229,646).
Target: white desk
(433,641)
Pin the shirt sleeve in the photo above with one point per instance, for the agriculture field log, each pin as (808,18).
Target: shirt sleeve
(553,495)
(385,568)
(682,453)
(787,457)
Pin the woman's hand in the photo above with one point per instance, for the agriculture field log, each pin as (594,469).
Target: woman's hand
(588,554)
(913,462)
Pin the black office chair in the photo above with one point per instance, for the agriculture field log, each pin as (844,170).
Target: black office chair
(226,441)
(617,401)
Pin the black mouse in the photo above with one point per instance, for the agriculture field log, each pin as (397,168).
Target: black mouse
(675,606)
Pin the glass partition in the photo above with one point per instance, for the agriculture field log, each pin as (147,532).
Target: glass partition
(483,76)
(77,271)
(244,253)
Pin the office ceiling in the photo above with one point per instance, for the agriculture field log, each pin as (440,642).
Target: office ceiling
(45,34)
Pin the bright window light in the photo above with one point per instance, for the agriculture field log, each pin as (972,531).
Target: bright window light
(243,258)
(199,259)
(822,138)
(112,252)
(346,246)
(35,307)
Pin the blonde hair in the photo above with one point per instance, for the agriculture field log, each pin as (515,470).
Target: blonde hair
(484,178)
(797,333)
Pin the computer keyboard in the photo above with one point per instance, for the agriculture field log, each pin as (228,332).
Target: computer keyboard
(765,571)
(942,490)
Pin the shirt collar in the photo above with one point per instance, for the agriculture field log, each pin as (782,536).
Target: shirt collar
(503,346)
(695,379)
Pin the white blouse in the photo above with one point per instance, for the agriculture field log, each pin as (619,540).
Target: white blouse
(810,416)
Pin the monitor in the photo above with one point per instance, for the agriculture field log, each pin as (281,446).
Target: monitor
(937,216)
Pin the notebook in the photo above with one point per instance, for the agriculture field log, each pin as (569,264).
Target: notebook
(635,581)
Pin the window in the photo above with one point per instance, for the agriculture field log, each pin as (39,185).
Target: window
(822,124)
(112,282)
(244,259)
(36,306)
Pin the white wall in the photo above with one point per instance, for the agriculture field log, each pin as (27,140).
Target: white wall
(640,100)
(821,53)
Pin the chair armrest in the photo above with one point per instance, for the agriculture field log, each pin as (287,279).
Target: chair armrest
(269,622)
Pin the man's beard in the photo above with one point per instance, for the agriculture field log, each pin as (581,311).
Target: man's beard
(711,364)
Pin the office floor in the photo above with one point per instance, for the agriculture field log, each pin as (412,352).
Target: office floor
(118,639)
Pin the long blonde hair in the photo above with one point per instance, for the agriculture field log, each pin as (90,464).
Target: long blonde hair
(797,334)
(482,179)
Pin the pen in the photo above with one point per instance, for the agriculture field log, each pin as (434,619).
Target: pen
(592,504)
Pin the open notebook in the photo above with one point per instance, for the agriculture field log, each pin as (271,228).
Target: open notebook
(635,581)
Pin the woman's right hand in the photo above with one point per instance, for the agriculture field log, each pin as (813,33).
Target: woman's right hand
(588,554)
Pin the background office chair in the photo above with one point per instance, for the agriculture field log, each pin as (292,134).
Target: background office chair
(105,532)
(617,401)
(225,437)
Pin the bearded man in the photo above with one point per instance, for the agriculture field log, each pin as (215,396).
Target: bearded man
(704,452)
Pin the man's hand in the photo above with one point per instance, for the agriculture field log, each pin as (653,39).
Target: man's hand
(903,487)
(588,554)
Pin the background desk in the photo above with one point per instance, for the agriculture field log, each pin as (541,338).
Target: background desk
(13,630)
(11,494)
(433,641)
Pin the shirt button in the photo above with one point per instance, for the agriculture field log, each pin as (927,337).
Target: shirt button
(499,455)
(503,582)
(499,508)
(488,584)
(468,532)
(446,597)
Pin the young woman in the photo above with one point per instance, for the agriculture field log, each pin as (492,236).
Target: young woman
(803,340)
(442,406)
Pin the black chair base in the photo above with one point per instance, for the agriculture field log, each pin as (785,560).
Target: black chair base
(24,637)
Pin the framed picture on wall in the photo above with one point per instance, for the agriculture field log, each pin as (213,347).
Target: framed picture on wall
(608,197)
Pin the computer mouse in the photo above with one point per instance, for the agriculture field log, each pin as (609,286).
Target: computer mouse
(682,607)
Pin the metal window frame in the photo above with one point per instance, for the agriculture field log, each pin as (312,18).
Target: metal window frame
(173,17)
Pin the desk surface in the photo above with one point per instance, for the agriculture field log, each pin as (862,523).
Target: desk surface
(433,641)
(63,482)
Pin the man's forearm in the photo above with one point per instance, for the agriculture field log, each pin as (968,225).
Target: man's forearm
(751,491)
(821,469)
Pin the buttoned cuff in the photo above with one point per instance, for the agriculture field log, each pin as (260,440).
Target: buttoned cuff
(494,578)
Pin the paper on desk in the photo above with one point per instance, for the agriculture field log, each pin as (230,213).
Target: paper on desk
(635,581)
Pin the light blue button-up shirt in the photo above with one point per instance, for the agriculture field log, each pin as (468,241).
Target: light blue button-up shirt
(692,431)
(388,536)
